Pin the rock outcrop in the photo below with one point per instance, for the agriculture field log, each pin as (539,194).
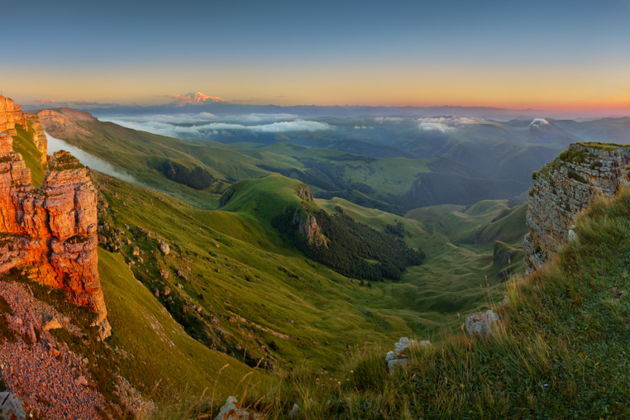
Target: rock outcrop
(232,410)
(11,407)
(64,122)
(12,116)
(50,232)
(400,355)
(309,229)
(308,225)
(482,325)
(564,188)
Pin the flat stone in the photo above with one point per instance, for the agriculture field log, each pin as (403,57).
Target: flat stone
(11,407)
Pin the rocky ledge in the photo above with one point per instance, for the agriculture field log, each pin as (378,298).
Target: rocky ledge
(564,188)
(51,232)
(12,116)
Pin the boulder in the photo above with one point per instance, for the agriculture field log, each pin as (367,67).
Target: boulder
(53,324)
(11,407)
(232,410)
(165,248)
(482,325)
(399,356)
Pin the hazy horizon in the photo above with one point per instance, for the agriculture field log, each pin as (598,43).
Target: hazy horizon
(565,56)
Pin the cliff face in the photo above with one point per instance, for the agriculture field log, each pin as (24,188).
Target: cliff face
(63,122)
(308,226)
(51,232)
(11,116)
(566,187)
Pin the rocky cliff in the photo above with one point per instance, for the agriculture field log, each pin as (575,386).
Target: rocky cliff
(308,225)
(564,188)
(49,232)
(12,116)
(64,122)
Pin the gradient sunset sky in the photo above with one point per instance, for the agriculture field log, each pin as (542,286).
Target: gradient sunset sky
(521,54)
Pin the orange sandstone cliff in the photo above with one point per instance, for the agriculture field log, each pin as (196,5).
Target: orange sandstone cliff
(51,231)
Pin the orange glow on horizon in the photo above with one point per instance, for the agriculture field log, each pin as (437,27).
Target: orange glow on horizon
(597,90)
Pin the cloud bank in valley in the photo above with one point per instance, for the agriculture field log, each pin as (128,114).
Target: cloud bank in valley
(55,144)
(205,123)
(446,124)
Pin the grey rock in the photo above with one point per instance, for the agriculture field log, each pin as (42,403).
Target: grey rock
(294,411)
(399,356)
(563,189)
(482,324)
(231,410)
(11,407)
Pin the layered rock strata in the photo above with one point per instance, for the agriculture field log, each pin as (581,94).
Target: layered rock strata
(564,188)
(51,232)
(12,116)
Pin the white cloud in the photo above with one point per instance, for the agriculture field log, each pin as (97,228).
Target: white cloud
(445,124)
(166,118)
(387,119)
(435,126)
(206,123)
(538,122)
(55,144)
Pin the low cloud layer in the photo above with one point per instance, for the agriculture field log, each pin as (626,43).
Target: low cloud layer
(446,124)
(205,123)
(538,122)
(55,144)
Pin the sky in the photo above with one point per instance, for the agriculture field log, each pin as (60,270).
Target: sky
(516,54)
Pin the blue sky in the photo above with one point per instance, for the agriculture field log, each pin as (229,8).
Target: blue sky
(288,50)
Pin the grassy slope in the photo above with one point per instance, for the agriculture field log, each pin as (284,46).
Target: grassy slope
(458,276)
(387,176)
(235,262)
(462,223)
(24,145)
(563,351)
(149,344)
(155,346)
(137,152)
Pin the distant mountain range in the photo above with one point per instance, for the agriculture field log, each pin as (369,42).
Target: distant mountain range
(200,102)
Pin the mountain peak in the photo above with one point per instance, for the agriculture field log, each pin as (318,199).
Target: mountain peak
(197,98)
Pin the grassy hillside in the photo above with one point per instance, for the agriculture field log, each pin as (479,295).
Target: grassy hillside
(233,283)
(198,170)
(156,346)
(456,278)
(482,222)
(230,280)
(23,144)
(145,156)
(395,184)
(562,351)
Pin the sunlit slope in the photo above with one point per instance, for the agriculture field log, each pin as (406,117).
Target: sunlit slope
(198,170)
(234,284)
(161,360)
(145,156)
(24,144)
